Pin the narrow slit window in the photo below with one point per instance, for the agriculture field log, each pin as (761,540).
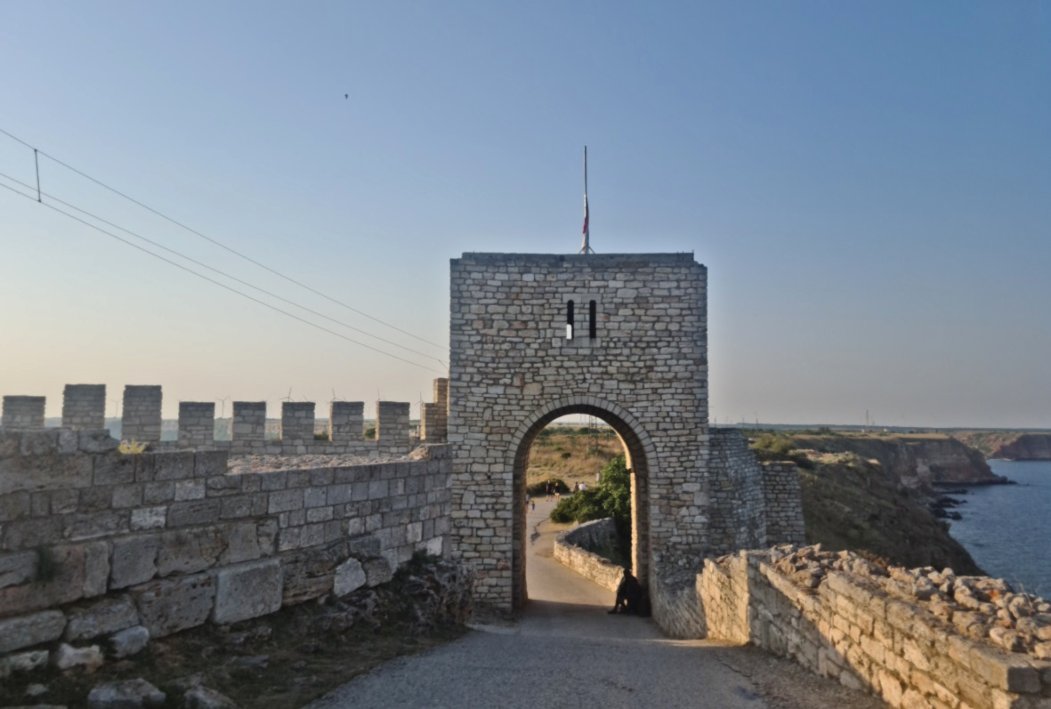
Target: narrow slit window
(592,321)
(569,320)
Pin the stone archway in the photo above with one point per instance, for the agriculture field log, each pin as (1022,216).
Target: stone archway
(641,459)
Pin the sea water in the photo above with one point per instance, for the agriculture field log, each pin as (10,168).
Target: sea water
(1007,528)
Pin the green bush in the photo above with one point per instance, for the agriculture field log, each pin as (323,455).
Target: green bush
(610,498)
(773,446)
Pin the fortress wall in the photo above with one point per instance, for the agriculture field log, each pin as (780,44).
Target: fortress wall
(94,542)
(783,503)
(83,408)
(735,494)
(573,549)
(840,617)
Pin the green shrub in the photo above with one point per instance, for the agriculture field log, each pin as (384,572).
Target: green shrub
(610,498)
(773,446)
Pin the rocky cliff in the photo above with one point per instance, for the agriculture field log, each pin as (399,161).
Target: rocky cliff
(916,460)
(1027,446)
(855,504)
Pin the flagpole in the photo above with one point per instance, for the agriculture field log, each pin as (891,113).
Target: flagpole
(586,246)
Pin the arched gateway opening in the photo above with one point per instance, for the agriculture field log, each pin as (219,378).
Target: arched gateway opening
(638,451)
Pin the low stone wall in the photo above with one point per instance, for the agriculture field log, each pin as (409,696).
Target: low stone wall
(916,638)
(103,550)
(573,550)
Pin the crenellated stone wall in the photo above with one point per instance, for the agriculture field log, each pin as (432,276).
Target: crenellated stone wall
(94,542)
(84,409)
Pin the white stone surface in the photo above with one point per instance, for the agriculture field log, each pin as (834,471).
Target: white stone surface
(247,591)
(350,576)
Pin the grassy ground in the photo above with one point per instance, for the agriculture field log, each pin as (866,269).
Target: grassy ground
(572,453)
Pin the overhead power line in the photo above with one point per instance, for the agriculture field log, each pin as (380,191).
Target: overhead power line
(194,261)
(216,242)
(215,282)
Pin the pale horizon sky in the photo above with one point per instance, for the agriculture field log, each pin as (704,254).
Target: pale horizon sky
(868,183)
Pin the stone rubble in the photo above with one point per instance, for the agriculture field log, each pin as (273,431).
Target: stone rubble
(978,607)
(129,694)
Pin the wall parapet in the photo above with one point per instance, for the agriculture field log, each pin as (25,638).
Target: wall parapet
(916,637)
(175,540)
(573,549)
(83,408)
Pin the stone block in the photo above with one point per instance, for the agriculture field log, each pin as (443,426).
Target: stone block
(23,662)
(134,561)
(350,576)
(173,466)
(209,464)
(187,551)
(169,606)
(27,630)
(1003,671)
(87,658)
(129,641)
(201,697)
(114,469)
(127,694)
(100,618)
(248,591)
(17,568)
(69,572)
(193,512)
(241,542)
(149,518)
(378,571)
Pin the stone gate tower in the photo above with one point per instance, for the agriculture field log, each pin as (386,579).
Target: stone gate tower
(619,336)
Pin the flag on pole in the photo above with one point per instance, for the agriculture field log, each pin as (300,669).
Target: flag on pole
(585,231)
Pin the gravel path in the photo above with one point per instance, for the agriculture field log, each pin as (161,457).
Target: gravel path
(565,651)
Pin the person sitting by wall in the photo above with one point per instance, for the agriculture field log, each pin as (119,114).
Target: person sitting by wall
(629,594)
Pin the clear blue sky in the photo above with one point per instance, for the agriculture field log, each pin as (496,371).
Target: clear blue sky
(869,184)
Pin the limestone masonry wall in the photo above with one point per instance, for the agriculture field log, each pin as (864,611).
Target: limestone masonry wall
(916,638)
(99,548)
(83,408)
(782,503)
(573,548)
